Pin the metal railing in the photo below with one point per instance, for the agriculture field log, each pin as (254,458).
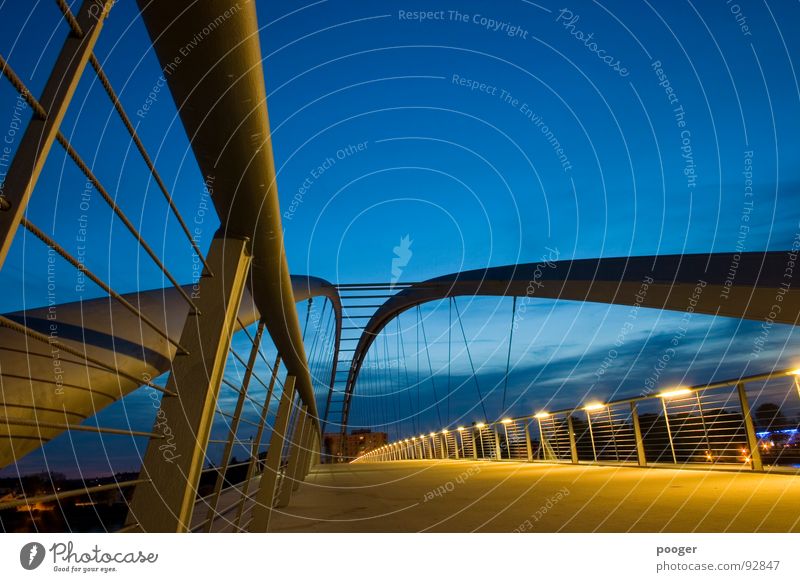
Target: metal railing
(693,426)
(195,489)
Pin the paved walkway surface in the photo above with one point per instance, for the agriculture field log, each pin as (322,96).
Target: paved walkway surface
(466,496)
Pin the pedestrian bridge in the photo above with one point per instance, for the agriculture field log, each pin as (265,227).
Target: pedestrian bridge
(249,374)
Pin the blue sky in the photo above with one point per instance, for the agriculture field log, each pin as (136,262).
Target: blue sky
(484,147)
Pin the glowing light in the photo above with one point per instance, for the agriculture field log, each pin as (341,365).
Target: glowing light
(674,392)
(506,421)
(541,414)
(433,434)
(594,406)
(480,425)
(795,372)
(444,431)
(460,428)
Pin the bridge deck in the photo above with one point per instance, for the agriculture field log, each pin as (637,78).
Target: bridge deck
(402,496)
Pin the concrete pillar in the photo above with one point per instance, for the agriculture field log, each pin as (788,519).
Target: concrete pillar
(166,503)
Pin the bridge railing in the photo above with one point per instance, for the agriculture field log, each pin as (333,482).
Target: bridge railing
(88,355)
(748,423)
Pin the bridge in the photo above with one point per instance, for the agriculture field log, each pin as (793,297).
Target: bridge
(253,371)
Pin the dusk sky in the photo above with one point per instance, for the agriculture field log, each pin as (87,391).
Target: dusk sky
(489,134)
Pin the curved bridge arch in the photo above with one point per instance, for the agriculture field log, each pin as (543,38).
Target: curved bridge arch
(741,285)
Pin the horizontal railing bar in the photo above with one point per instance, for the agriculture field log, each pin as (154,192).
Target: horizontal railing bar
(78,427)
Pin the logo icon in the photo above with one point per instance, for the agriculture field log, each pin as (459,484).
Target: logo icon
(31,555)
(402,255)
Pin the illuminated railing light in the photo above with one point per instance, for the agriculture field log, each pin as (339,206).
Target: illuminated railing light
(445,431)
(795,372)
(480,425)
(507,421)
(674,392)
(541,414)
(460,428)
(594,406)
(433,434)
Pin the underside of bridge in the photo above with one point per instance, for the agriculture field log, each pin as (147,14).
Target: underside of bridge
(686,458)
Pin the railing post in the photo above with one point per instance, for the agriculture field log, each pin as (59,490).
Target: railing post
(306,453)
(265,498)
(669,431)
(641,457)
(591,434)
(40,134)
(292,473)
(251,467)
(752,437)
(174,465)
(528,447)
(234,428)
(573,447)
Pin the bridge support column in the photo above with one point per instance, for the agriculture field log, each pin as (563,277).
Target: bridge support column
(641,458)
(752,437)
(265,498)
(498,451)
(173,466)
(573,447)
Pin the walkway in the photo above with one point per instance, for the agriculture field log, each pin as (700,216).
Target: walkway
(460,496)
